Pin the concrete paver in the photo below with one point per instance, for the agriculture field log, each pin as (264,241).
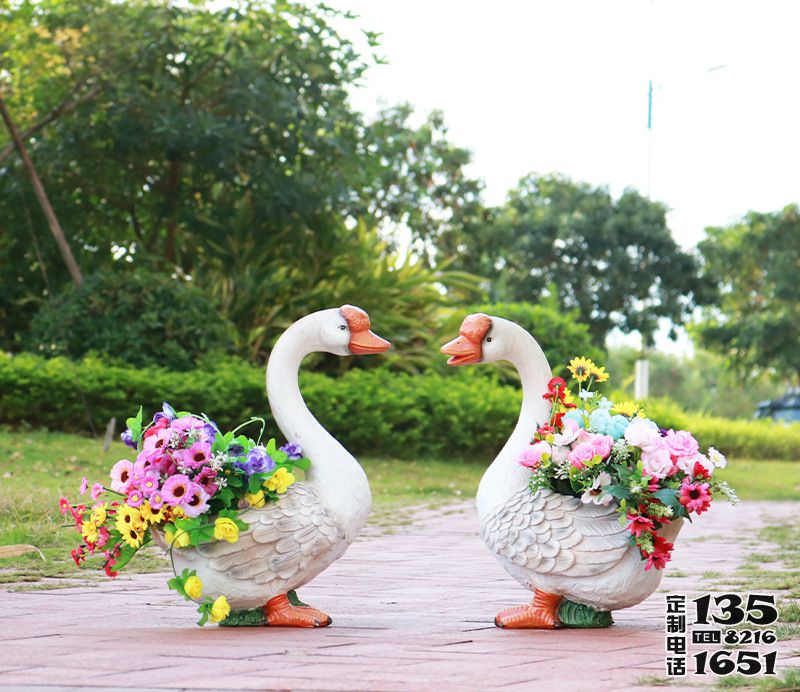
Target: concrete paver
(412,610)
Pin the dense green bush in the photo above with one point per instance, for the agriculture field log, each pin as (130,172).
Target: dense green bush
(141,318)
(376,412)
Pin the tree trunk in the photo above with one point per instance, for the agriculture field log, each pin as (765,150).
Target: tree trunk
(41,195)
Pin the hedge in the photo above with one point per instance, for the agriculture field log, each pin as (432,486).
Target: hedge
(456,416)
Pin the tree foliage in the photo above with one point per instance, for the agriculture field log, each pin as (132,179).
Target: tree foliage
(137,317)
(755,264)
(613,260)
(161,128)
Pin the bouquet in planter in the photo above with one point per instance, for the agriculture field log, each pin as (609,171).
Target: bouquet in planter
(604,452)
(189,481)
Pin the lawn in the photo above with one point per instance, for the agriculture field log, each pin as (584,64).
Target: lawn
(38,467)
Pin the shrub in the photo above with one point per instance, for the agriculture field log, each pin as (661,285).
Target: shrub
(372,412)
(141,318)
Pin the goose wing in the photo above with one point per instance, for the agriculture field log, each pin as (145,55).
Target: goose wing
(550,533)
(284,539)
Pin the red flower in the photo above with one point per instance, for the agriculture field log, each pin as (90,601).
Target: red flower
(639,524)
(661,555)
(77,555)
(544,431)
(695,496)
(555,389)
(700,471)
(558,419)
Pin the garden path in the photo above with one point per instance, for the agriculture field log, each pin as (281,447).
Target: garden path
(412,610)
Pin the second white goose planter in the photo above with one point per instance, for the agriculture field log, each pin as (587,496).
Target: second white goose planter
(570,554)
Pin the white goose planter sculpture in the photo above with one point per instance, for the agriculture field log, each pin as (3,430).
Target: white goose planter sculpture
(570,554)
(291,541)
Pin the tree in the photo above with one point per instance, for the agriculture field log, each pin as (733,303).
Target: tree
(615,261)
(755,264)
(163,122)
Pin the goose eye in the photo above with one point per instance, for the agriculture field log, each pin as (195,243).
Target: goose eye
(343,327)
(488,339)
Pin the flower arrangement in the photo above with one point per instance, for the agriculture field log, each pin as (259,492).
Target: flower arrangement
(189,481)
(604,452)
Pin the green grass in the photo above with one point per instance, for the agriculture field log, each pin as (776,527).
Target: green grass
(38,467)
(788,681)
(764,480)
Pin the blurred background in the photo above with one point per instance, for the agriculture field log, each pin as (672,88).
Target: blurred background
(179,181)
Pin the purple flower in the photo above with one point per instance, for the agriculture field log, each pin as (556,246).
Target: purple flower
(236,450)
(258,461)
(293,451)
(127,438)
(210,432)
(167,412)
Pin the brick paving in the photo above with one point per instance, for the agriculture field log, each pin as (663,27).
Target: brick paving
(411,610)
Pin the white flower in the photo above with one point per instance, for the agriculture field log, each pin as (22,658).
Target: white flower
(717,458)
(686,464)
(643,434)
(586,394)
(596,494)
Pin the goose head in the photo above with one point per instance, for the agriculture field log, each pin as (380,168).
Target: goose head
(483,339)
(345,331)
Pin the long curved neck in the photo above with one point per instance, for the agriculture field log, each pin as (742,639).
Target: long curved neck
(505,476)
(336,475)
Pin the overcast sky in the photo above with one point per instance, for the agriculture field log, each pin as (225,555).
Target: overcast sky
(562,86)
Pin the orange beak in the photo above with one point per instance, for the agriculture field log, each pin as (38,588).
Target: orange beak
(462,351)
(365,342)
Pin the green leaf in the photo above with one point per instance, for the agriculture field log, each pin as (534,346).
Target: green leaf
(303,464)
(271,447)
(618,491)
(255,482)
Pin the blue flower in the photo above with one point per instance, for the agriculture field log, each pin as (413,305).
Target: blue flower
(605,403)
(577,415)
(618,426)
(167,412)
(258,461)
(127,438)
(293,451)
(600,420)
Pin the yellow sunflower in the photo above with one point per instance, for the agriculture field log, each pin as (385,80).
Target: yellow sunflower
(149,515)
(128,517)
(626,408)
(599,374)
(133,536)
(581,368)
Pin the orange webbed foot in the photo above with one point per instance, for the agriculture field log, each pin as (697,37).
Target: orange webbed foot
(281,613)
(541,613)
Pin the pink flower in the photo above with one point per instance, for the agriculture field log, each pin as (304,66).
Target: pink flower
(186,423)
(657,462)
(661,555)
(695,496)
(642,433)
(199,454)
(569,433)
(84,485)
(640,524)
(681,444)
(135,498)
(157,500)
(601,445)
(581,455)
(156,442)
(97,490)
(176,489)
(64,506)
(102,537)
(196,501)
(149,484)
(531,456)
(121,474)
(206,479)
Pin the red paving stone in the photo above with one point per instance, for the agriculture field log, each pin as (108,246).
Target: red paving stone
(412,611)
